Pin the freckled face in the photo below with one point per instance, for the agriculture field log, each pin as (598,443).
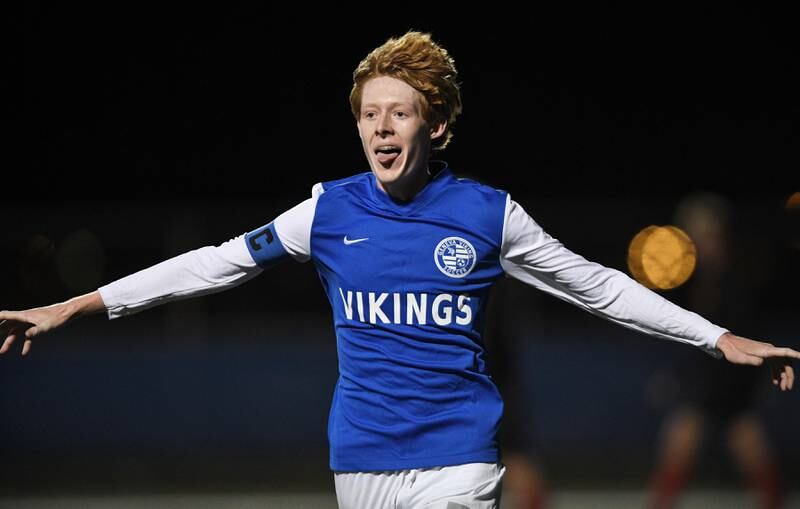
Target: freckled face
(395,136)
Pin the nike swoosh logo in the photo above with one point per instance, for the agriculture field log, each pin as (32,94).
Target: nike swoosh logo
(347,241)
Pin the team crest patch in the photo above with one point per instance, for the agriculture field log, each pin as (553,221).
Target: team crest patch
(455,257)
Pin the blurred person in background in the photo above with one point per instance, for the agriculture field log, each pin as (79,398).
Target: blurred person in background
(717,401)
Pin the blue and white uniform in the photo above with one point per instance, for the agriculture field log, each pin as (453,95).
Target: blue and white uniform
(408,285)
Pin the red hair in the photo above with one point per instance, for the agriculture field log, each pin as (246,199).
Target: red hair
(424,65)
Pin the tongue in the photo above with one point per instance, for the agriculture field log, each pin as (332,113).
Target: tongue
(386,159)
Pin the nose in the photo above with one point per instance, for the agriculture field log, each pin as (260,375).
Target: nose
(384,126)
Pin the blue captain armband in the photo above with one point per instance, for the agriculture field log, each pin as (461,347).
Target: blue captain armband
(265,247)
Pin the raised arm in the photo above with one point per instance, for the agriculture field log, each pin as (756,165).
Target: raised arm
(534,257)
(202,271)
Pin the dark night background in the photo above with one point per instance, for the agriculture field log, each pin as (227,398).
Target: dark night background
(140,133)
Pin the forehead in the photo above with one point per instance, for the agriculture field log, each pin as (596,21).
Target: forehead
(387,90)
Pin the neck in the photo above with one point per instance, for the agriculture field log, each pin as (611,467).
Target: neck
(405,190)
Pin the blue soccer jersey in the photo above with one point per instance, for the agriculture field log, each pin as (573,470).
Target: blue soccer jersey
(408,285)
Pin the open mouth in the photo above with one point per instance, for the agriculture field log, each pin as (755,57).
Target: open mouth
(387,154)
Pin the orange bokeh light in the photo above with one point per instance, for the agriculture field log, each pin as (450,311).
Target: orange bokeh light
(661,257)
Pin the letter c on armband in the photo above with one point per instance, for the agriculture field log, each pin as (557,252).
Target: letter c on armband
(265,232)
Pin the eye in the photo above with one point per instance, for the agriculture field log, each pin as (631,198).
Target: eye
(400,114)
(369,115)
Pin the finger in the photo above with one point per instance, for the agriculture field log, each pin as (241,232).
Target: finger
(782,373)
(788,352)
(32,332)
(7,343)
(775,351)
(12,316)
(760,343)
(776,367)
(8,327)
(26,346)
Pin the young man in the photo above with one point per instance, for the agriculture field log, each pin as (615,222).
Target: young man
(407,254)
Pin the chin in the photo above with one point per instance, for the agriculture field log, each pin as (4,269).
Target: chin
(385,179)
(387,175)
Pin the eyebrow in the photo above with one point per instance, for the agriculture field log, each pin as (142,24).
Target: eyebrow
(393,103)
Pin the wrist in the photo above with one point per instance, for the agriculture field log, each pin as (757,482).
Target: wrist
(66,310)
(724,340)
(79,306)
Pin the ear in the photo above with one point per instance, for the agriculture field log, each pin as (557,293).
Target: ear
(438,130)
(358,129)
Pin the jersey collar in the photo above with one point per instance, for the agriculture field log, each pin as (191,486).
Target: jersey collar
(441,176)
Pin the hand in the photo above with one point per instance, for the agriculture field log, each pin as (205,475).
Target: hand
(739,350)
(30,323)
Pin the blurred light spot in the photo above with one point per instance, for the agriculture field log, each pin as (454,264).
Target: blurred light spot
(793,203)
(661,257)
(81,261)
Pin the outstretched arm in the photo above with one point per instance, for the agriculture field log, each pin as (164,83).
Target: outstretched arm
(532,256)
(199,272)
(32,322)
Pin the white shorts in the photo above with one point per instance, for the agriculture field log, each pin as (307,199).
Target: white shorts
(472,486)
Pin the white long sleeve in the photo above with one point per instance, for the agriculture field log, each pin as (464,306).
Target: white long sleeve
(199,272)
(208,269)
(534,257)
